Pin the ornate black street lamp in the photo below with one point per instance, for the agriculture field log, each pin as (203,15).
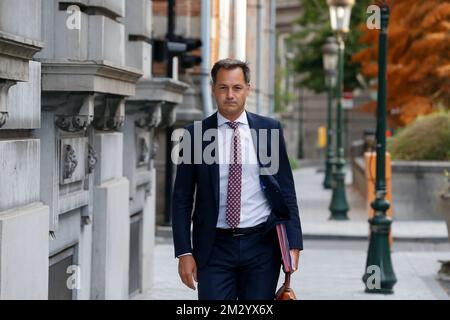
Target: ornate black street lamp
(330,58)
(340,12)
(379,254)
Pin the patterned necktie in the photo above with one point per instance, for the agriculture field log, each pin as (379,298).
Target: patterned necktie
(233,211)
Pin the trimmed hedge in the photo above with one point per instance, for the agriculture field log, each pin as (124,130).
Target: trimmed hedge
(427,138)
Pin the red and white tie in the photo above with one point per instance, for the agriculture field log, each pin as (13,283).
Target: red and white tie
(233,212)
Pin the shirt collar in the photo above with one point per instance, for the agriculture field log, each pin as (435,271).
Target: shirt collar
(222,120)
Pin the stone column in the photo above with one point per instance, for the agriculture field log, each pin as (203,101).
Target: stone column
(144,112)
(68,160)
(111,233)
(85,82)
(139,151)
(153,106)
(23,217)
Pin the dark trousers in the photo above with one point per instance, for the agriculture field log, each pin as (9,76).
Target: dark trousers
(243,267)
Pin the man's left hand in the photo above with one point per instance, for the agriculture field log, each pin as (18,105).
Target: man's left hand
(295,255)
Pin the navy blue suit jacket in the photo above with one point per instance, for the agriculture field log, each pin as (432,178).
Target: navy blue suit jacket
(202,180)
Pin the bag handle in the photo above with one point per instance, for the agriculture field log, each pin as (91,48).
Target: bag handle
(287,280)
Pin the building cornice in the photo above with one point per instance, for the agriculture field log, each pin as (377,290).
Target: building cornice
(15,53)
(98,76)
(160,90)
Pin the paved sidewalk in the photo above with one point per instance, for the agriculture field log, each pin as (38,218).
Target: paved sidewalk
(313,205)
(333,262)
(324,274)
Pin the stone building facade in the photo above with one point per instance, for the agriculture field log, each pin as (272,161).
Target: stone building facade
(84,116)
(79,110)
(242,29)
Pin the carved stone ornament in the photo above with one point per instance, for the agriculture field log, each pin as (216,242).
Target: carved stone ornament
(143,123)
(3,118)
(109,123)
(115,123)
(4,88)
(144,151)
(111,116)
(92,159)
(73,123)
(80,119)
(155,149)
(70,161)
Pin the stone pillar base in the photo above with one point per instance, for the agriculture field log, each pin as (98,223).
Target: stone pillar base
(24,252)
(111,240)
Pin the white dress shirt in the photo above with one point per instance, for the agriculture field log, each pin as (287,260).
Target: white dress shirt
(254,206)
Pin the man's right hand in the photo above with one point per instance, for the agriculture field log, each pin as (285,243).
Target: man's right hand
(187,269)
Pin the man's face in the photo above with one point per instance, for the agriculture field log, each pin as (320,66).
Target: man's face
(230,92)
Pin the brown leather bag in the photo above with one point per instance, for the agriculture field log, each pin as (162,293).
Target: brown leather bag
(285,292)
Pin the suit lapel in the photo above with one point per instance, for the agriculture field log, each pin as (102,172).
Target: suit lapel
(256,126)
(211,123)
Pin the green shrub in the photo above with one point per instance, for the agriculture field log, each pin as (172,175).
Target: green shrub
(427,138)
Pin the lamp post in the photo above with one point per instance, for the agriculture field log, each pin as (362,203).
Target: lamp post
(340,12)
(330,57)
(379,254)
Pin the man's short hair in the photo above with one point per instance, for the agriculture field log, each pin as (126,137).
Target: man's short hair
(230,64)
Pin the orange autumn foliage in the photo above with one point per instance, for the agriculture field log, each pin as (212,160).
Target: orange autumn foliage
(418,59)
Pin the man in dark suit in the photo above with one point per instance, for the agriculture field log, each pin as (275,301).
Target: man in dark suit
(239,197)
